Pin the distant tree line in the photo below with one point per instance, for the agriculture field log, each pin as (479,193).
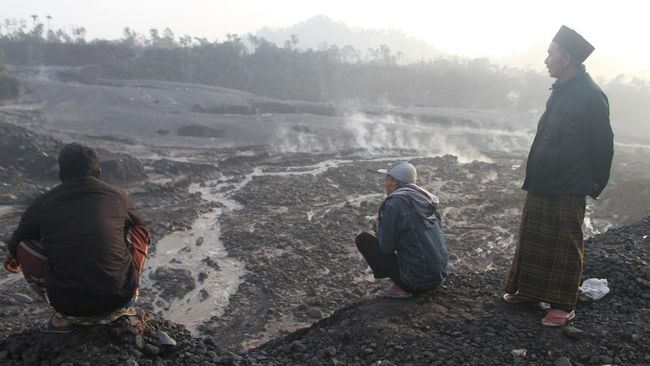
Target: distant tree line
(256,65)
(19,30)
(289,72)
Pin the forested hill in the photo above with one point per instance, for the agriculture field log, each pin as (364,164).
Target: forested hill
(291,71)
(320,32)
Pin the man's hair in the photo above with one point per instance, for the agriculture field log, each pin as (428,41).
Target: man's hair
(399,182)
(77,160)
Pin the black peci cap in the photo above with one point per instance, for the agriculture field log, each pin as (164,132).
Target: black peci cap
(573,43)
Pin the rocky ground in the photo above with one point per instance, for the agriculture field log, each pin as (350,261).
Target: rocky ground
(306,294)
(296,235)
(465,322)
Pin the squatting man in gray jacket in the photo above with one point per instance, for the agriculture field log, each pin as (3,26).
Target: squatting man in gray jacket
(409,248)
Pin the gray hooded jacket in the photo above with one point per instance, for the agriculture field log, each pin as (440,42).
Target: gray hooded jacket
(410,226)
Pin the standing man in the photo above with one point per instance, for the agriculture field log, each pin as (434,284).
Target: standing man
(570,159)
(410,247)
(81,245)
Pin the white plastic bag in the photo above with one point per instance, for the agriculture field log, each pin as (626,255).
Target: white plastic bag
(595,288)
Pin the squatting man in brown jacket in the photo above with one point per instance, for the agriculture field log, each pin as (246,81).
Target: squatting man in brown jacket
(81,245)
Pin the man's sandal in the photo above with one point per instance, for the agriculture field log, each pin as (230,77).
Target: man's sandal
(558,318)
(390,293)
(48,327)
(514,298)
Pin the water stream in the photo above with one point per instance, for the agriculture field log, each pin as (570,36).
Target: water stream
(201,252)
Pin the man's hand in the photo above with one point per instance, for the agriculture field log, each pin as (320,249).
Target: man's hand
(11,265)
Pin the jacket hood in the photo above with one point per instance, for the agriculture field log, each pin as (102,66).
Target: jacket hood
(424,202)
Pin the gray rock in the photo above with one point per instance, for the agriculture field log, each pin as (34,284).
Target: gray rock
(298,347)
(164,340)
(131,362)
(133,320)
(203,276)
(30,359)
(139,341)
(330,351)
(606,359)
(573,332)
(385,363)
(174,282)
(203,295)
(235,356)
(22,298)
(285,348)
(643,282)
(314,313)
(562,361)
(151,350)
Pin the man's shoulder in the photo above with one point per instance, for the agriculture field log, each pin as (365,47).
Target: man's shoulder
(112,189)
(109,187)
(93,185)
(396,201)
(590,88)
(50,192)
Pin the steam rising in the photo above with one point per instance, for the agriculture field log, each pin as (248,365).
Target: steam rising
(377,135)
(394,133)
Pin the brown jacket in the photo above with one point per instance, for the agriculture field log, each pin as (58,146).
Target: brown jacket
(81,224)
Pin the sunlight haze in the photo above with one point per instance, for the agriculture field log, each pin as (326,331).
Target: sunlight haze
(497,29)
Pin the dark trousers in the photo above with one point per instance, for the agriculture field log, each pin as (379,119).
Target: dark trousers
(383,265)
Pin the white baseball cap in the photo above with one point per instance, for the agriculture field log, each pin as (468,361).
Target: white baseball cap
(403,172)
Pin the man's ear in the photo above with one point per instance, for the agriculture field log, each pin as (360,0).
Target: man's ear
(98,172)
(61,177)
(570,60)
(394,183)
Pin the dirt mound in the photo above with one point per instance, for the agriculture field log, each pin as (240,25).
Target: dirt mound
(463,323)
(120,168)
(200,131)
(170,167)
(138,340)
(225,109)
(466,323)
(28,162)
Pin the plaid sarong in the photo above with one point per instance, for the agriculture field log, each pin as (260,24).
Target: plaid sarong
(548,261)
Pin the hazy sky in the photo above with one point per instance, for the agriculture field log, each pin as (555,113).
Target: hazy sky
(618,29)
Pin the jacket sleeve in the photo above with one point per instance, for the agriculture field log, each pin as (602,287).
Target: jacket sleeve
(28,228)
(600,142)
(389,227)
(132,210)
